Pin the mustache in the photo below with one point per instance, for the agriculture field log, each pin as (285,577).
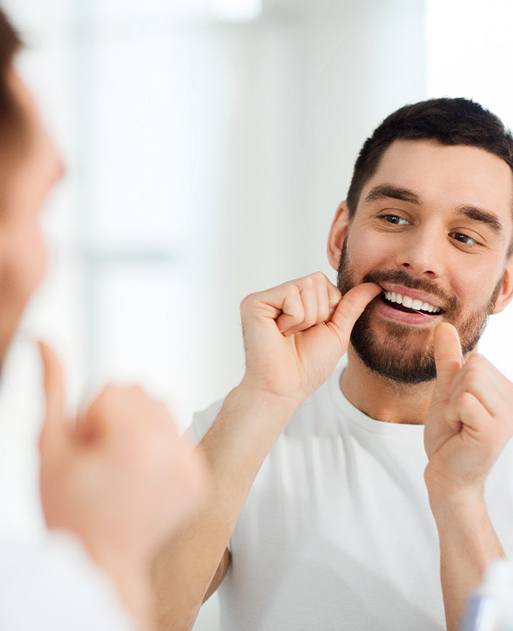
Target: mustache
(400,277)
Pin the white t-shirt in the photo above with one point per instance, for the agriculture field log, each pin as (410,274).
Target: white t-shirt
(52,585)
(336,532)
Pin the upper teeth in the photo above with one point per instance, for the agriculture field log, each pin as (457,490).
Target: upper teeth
(410,302)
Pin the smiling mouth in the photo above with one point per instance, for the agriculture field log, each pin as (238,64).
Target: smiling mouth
(395,302)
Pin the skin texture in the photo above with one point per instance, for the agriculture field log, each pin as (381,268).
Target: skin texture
(295,333)
(105,474)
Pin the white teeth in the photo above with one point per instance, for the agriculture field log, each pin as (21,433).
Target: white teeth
(411,303)
(426,307)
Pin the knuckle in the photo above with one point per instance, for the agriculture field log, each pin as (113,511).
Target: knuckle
(310,319)
(465,400)
(292,291)
(471,376)
(476,361)
(248,302)
(135,390)
(319,277)
(107,393)
(324,314)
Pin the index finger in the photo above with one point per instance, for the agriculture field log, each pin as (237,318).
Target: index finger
(53,384)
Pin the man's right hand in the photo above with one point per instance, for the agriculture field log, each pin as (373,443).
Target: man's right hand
(295,333)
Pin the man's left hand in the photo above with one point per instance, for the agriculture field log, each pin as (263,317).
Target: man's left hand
(470,419)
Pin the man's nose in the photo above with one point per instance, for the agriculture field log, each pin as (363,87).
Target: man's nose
(420,253)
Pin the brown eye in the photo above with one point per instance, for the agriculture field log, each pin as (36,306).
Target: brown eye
(394,219)
(463,238)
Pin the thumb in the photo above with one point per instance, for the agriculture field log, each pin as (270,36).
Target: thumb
(351,307)
(448,358)
(55,396)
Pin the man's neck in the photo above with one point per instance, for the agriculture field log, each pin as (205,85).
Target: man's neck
(381,398)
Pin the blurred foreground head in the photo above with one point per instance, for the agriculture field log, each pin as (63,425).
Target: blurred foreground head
(29,168)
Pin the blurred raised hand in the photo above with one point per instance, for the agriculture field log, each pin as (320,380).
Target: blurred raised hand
(119,477)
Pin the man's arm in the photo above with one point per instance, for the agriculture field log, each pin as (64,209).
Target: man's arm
(194,562)
(468,425)
(294,335)
(468,543)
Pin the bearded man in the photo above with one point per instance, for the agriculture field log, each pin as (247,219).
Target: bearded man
(369,493)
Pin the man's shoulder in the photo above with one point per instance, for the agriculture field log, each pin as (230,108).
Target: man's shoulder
(317,404)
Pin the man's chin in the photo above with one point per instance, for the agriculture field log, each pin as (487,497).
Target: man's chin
(397,353)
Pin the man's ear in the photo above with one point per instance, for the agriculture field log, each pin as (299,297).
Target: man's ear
(337,234)
(506,288)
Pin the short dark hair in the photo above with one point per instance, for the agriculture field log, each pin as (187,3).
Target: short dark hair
(449,121)
(14,126)
(10,44)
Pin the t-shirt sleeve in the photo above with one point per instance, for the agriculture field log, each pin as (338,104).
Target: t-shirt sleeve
(202,421)
(53,584)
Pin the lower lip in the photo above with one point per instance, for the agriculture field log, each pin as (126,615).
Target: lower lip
(403,316)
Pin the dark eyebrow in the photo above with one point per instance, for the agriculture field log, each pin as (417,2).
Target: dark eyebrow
(406,195)
(395,192)
(484,216)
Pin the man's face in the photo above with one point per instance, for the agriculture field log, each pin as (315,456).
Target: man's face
(433,224)
(37,167)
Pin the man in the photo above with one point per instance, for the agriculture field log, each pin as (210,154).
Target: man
(102,477)
(375,499)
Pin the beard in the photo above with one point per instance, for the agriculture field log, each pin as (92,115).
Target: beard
(397,355)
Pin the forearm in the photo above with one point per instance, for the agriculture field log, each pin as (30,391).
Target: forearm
(235,447)
(468,542)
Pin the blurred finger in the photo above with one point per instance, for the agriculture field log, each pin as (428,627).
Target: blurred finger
(55,393)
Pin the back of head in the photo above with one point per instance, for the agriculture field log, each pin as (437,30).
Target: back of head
(449,121)
(10,43)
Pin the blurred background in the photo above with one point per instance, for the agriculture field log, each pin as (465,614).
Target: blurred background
(208,144)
